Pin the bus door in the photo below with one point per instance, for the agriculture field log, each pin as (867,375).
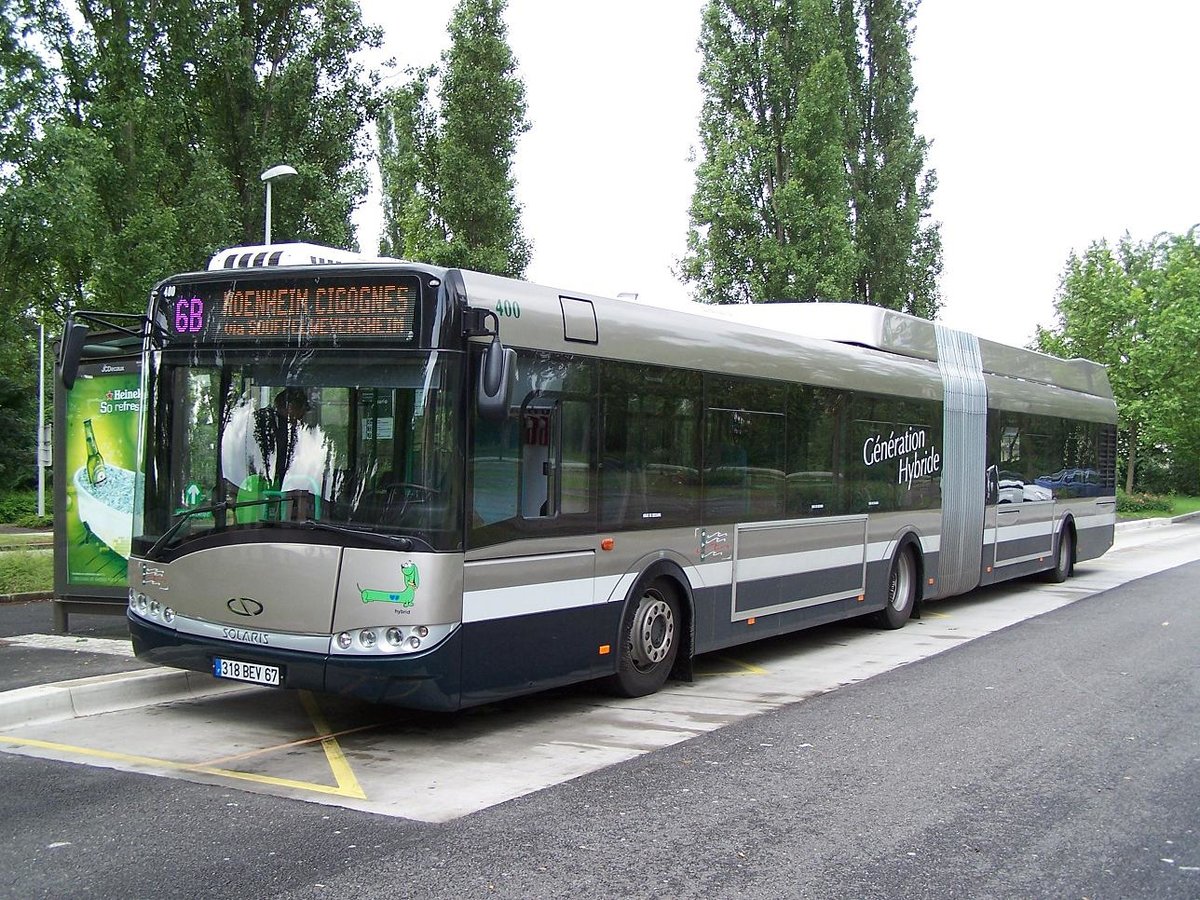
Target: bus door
(534,593)
(1024,509)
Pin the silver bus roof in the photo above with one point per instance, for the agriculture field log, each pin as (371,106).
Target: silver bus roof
(905,335)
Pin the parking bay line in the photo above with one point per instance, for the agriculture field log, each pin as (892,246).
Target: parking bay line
(347,784)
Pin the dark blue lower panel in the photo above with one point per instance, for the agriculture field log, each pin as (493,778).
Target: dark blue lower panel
(768,592)
(519,655)
(1015,549)
(427,681)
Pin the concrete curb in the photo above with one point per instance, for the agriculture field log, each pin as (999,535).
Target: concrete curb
(1139,524)
(27,597)
(46,703)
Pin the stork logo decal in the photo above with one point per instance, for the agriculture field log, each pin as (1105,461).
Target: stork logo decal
(405,597)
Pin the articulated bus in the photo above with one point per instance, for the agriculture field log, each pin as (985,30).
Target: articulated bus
(436,488)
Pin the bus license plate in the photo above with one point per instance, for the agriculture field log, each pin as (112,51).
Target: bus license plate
(244,671)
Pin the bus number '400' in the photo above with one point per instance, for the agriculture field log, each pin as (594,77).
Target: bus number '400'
(510,308)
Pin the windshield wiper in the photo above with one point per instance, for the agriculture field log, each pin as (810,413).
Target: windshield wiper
(391,540)
(221,507)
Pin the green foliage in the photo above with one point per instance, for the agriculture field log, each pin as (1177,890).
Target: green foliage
(18,399)
(16,504)
(449,195)
(140,130)
(807,186)
(1136,309)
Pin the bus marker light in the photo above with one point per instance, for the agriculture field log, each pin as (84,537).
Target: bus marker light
(607,544)
(605,649)
(751,620)
(931,580)
(860,598)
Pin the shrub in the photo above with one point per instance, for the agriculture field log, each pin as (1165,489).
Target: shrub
(17,504)
(1143,503)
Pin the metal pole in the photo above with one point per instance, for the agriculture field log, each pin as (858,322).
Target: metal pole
(41,429)
(267,236)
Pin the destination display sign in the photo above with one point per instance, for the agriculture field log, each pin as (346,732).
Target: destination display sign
(324,310)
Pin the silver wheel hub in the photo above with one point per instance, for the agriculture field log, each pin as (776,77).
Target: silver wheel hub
(653,631)
(901,584)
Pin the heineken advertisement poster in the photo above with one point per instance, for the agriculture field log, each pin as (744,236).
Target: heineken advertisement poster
(101,449)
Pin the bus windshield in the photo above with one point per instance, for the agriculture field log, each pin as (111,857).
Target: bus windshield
(238,441)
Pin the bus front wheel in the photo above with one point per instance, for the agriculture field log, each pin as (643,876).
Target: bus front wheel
(650,635)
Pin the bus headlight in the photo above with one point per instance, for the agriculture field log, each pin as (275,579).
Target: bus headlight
(390,640)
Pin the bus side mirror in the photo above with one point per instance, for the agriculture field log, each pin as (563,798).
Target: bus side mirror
(70,351)
(495,382)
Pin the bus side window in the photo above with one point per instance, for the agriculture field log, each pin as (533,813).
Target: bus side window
(556,457)
(538,465)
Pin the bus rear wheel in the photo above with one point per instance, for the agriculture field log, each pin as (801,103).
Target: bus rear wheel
(1064,559)
(650,634)
(902,591)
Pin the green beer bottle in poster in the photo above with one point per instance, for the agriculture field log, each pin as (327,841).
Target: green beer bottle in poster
(96,472)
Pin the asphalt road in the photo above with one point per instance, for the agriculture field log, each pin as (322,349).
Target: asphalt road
(1056,758)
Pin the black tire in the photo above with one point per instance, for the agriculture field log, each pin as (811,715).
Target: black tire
(1064,557)
(650,635)
(902,591)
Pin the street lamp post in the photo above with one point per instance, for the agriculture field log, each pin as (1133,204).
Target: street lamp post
(268,176)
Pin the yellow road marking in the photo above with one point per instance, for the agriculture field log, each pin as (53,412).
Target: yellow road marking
(347,783)
(744,668)
(132,759)
(333,750)
(925,614)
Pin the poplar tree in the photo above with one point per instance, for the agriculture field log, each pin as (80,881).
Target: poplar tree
(770,212)
(899,246)
(449,193)
(812,180)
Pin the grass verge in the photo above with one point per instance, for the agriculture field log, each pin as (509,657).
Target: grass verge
(22,571)
(1180,505)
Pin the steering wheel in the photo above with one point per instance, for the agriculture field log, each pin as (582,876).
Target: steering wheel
(409,491)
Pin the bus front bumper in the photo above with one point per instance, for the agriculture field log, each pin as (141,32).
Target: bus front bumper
(427,681)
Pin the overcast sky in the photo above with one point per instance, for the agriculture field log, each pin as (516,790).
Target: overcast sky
(1053,123)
